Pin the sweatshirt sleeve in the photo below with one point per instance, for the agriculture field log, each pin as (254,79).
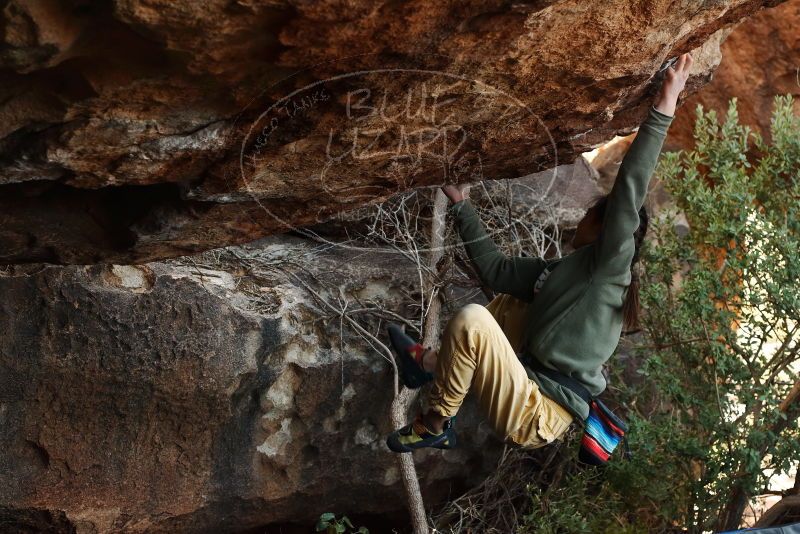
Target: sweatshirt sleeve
(515,276)
(615,246)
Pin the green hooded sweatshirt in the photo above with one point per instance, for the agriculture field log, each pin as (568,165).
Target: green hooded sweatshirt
(575,322)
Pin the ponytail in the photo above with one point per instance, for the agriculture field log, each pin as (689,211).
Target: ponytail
(631,306)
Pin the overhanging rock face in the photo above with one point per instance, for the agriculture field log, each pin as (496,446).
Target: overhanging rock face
(133,131)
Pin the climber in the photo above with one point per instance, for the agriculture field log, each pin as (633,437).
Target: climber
(573,327)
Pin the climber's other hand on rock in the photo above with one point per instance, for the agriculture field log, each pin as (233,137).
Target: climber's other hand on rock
(456,193)
(674,82)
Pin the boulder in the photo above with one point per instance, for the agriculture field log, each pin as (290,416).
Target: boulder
(205,394)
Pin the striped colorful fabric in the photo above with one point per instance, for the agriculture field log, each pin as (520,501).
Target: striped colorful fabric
(594,450)
(605,435)
(602,434)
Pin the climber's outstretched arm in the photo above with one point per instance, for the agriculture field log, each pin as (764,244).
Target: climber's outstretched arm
(503,274)
(615,247)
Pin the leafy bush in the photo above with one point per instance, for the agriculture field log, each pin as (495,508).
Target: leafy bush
(722,311)
(331,525)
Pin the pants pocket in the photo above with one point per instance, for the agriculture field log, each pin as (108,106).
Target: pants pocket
(552,424)
(548,424)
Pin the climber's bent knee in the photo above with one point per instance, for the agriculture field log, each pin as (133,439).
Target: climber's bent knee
(471,315)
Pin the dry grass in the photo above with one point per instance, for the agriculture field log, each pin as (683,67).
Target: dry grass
(496,506)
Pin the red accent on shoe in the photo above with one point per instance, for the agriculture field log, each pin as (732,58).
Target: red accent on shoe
(419,426)
(417,352)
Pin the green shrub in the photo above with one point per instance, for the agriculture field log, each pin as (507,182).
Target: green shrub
(726,334)
(331,525)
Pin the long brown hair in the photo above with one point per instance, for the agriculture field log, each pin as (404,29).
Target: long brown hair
(630,307)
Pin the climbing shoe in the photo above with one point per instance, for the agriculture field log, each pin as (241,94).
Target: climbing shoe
(416,436)
(409,358)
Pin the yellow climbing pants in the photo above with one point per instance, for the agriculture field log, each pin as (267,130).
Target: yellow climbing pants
(479,354)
